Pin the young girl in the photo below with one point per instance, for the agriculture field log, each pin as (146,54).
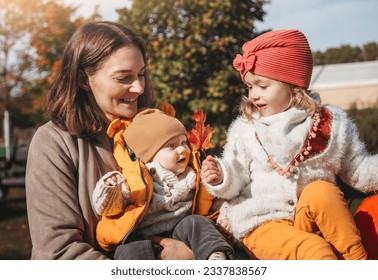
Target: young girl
(282,156)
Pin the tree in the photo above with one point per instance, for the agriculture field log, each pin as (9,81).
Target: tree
(192,45)
(48,38)
(342,54)
(346,53)
(13,28)
(370,51)
(33,35)
(367,124)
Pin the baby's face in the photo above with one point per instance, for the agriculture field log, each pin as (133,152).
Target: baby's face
(174,155)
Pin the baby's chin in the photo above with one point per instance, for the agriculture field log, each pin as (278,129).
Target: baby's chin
(178,171)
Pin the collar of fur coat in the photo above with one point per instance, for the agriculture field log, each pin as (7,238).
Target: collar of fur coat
(282,135)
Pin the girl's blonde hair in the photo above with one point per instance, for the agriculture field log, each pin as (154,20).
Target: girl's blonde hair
(300,99)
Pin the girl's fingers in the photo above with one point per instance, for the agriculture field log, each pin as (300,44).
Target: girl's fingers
(209,166)
(211,177)
(211,172)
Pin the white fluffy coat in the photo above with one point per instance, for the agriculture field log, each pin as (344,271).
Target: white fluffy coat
(255,193)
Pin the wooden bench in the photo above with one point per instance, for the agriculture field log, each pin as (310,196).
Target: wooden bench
(12,172)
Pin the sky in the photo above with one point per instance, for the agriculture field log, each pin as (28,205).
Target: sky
(326,23)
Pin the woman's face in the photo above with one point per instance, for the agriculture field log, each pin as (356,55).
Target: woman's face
(117,85)
(268,96)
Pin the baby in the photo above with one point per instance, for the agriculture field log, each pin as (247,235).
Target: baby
(160,141)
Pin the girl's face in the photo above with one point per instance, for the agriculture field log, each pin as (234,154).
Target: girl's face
(116,86)
(268,96)
(174,155)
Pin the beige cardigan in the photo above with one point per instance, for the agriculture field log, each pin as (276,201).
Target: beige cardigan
(61,174)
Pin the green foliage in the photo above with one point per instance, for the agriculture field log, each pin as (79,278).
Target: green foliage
(192,46)
(367,124)
(370,51)
(346,53)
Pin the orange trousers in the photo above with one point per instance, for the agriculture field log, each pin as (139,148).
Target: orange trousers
(323,229)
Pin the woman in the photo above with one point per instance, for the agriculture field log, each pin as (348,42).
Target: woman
(102,76)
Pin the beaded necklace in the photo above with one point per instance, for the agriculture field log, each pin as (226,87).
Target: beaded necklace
(291,168)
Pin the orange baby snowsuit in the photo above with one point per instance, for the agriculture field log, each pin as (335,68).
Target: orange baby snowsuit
(111,231)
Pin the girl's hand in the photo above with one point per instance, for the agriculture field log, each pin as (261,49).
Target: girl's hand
(211,172)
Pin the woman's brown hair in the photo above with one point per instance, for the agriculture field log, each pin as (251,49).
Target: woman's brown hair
(67,102)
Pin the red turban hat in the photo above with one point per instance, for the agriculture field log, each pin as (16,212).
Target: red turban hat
(282,55)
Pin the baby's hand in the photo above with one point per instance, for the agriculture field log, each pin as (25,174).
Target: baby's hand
(224,226)
(113,180)
(211,172)
(111,194)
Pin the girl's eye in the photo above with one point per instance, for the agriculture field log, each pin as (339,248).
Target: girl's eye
(184,143)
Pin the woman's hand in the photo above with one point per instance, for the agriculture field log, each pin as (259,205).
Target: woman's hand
(211,173)
(173,249)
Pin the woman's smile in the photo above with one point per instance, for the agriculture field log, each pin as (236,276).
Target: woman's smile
(128,100)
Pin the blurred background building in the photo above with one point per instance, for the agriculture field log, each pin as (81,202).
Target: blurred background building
(347,84)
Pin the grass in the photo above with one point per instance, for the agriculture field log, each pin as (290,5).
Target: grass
(15,241)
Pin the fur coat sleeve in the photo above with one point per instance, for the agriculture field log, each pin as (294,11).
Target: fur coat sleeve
(358,168)
(235,162)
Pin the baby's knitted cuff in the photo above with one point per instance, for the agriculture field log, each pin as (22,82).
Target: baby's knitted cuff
(110,200)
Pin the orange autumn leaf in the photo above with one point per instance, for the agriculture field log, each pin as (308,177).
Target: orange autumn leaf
(167,108)
(200,136)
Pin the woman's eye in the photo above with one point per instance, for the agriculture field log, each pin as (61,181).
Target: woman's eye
(172,146)
(124,78)
(184,143)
